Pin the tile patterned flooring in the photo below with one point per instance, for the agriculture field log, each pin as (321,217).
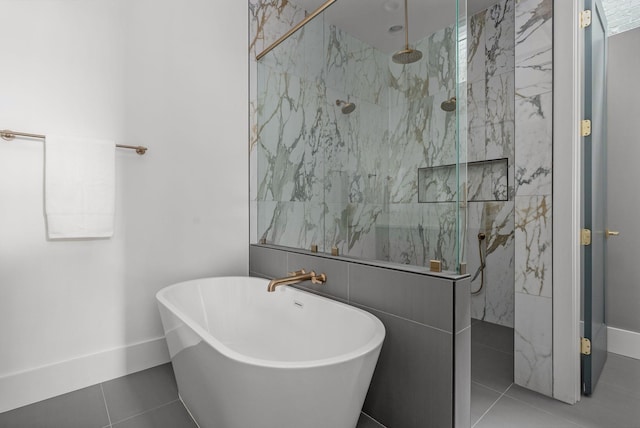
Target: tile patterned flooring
(149,399)
(146,399)
(496,402)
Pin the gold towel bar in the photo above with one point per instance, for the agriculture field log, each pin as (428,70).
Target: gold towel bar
(10,135)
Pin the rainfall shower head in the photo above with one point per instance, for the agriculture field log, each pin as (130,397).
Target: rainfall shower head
(406,55)
(346,106)
(449,105)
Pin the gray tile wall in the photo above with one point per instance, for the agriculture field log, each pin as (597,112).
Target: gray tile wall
(425,361)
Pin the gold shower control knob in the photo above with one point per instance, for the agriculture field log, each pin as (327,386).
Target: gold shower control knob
(611,233)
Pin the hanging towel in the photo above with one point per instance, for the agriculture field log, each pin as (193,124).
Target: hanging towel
(79,187)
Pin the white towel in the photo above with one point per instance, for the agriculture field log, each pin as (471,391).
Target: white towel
(79,187)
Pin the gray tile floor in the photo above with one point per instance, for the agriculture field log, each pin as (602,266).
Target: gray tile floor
(149,399)
(146,399)
(496,402)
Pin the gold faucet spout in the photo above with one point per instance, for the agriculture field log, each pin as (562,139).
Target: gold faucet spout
(295,278)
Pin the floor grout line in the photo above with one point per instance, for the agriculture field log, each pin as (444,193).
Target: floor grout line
(491,406)
(497,391)
(104,398)
(146,411)
(549,412)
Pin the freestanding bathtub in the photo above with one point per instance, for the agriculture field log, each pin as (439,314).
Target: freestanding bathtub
(246,358)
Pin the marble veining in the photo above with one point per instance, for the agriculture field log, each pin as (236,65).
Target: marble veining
(533,231)
(533,343)
(534,41)
(491,118)
(499,42)
(534,132)
(533,194)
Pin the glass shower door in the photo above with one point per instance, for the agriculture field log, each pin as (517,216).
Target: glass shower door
(595,200)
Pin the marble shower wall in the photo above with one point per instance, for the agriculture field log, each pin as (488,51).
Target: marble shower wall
(533,178)
(510,101)
(490,107)
(350,181)
(321,175)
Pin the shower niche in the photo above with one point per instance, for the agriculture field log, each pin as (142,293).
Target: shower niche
(352,114)
(487,181)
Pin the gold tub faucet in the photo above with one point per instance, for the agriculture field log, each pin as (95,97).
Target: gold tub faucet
(295,278)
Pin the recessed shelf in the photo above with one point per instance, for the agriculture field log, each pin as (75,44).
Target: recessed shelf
(487,180)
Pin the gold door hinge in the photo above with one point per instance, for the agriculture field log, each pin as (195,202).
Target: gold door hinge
(585,346)
(585,18)
(585,128)
(585,237)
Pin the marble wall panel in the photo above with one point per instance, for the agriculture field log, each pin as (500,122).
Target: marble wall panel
(350,66)
(500,250)
(491,136)
(477,103)
(368,231)
(336,227)
(494,303)
(499,44)
(281,223)
(534,129)
(534,40)
(268,18)
(533,265)
(419,233)
(435,73)
(288,168)
(441,61)
(475,215)
(533,178)
(533,357)
(476,43)
(500,96)
(368,157)
(357,230)
(476,144)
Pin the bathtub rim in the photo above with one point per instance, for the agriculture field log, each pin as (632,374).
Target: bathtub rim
(375,342)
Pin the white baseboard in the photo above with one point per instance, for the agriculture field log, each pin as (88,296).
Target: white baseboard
(623,342)
(30,386)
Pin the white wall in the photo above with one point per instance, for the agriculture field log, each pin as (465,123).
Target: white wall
(168,74)
(623,109)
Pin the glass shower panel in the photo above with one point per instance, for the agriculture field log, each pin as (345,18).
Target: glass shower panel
(422,137)
(356,156)
(461,132)
(343,132)
(290,174)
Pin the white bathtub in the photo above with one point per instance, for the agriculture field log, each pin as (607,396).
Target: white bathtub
(246,358)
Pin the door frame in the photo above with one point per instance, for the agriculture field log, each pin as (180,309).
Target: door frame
(568,44)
